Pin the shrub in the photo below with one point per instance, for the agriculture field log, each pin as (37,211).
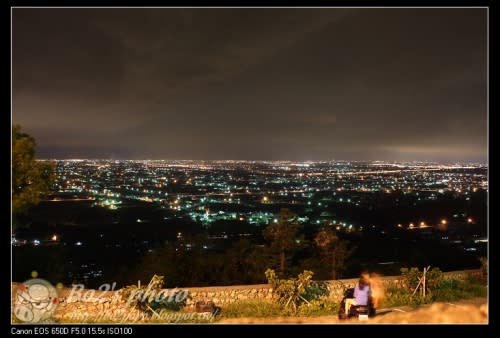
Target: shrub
(475,278)
(291,293)
(316,290)
(410,277)
(438,289)
(151,298)
(433,278)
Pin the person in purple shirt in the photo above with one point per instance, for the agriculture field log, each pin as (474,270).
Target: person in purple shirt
(361,293)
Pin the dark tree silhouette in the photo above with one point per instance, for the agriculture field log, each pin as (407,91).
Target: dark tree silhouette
(31,179)
(334,250)
(282,235)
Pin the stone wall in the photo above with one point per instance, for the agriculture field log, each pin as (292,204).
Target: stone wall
(106,306)
(231,294)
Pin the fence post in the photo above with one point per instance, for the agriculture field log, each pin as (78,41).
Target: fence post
(425,273)
(423,283)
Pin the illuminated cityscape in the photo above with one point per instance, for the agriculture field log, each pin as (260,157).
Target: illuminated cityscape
(207,191)
(162,200)
(180,136)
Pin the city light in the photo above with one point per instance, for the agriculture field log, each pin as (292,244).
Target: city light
(218,185)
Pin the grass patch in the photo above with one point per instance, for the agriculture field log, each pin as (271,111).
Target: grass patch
(251,308)
(318,308)
(448,291)
(402,297)
(453,290)
(259,308)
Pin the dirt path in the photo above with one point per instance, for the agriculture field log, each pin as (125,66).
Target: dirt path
(470,311)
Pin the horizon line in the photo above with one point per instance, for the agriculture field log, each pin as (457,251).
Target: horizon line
(259,160)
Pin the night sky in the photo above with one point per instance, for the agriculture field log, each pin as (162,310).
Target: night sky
(254,84)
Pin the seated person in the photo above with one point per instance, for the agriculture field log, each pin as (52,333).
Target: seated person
(361,293)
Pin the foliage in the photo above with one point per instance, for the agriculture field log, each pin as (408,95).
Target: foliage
(31,179)
(447,291)
(452,290)
(484,266)
(150,298)
(316,290)
(474,290)
(334,250)
(240,264)
(282,235)
(263,309)
(400,297)
(291,293)
(433,278)
(318,307)
(474,278)
(410,277)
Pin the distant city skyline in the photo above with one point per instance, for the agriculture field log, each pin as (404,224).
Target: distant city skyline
(448,164)
(316,84)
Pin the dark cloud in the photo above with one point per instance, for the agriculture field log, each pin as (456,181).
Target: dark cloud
(252,83)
